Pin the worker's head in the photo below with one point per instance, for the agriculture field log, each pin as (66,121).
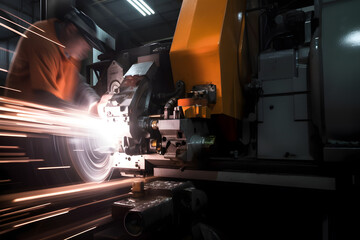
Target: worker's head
(79,34)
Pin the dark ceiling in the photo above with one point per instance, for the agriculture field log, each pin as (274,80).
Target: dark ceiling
(116,17)
(125,23)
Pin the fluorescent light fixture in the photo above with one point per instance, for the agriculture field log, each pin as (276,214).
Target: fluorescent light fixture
(147,6)
(137,8)
(142,7)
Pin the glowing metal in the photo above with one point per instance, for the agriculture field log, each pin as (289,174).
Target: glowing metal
(13,30)
(21,19)
(32,32)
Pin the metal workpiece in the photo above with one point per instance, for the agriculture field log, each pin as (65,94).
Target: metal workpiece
(162,203)
(207,91)
(176,133)
(167,188)
(148,214)
(147,69)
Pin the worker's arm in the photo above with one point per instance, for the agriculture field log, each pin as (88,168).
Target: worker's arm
(85,96)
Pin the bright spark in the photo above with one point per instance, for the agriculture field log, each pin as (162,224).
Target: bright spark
(13,30)
(7,134)
(21,19)
(21,161)
(80,233)
(49,168)
(6,50)
(32,31)
(11,89)
(42,218)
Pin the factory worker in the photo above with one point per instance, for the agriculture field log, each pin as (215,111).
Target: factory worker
(46,68)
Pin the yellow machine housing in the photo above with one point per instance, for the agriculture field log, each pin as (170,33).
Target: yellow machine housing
(208,49)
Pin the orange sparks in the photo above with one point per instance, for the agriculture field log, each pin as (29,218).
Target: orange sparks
(87,230)
(11,89)
(9,147)
(50,168)
(8,134)
(21,161)
(87,187)
(6,50)
(13,30)
(32,31)
(42,218)
(21,19)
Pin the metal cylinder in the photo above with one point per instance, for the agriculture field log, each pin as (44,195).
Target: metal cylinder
(147,215)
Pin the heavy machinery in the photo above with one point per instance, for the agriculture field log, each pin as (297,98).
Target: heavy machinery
(192,109)
(209,106)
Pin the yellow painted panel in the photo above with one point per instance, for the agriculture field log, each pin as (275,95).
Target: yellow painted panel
(205,50)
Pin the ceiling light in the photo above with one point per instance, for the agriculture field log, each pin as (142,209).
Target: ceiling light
(141,7)
(137,8)
(147,6)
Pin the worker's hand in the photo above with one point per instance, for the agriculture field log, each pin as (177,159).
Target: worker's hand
(98,108)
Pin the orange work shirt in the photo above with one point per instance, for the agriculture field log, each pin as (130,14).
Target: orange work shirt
(39,64)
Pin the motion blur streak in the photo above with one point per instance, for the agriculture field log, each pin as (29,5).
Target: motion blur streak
(6,50)
(5,209)
(32,31)
(25,210)
(49,168)
(80,233)
(9,134)
(58,213)
(16,115)
(11,89)
(3,70)
(21,161)
(13,30)
(9,147)
(79,188)
(21,19)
